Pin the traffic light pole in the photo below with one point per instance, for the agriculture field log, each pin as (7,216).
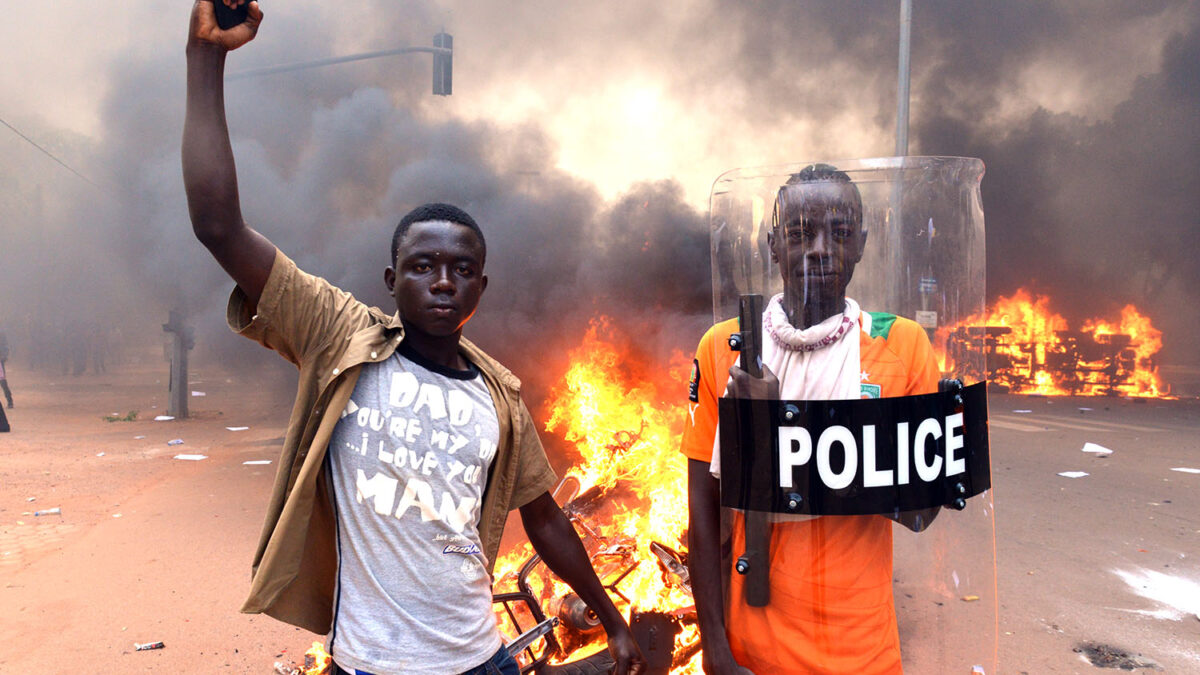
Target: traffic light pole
(443,55)
(182,341)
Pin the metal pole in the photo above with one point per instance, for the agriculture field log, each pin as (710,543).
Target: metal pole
(902,89)
(332,61)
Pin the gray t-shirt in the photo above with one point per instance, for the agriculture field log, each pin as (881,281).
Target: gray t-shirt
(408,462)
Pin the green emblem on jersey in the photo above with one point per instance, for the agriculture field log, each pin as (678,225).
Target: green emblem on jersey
(881,324)
(871,391)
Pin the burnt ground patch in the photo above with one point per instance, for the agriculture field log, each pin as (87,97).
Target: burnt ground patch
(1108,656)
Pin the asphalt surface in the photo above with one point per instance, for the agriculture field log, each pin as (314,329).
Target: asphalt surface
(1110,558)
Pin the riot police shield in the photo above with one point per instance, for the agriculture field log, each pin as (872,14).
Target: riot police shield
(854,471)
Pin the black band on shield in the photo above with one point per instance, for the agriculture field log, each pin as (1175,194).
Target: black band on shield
(855,457)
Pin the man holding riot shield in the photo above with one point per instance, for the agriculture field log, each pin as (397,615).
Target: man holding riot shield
(812,592)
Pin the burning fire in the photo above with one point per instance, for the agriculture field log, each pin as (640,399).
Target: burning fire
(1031,350)
(316,662)
(629,484)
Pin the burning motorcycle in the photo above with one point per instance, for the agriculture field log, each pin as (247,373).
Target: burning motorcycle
(556,632)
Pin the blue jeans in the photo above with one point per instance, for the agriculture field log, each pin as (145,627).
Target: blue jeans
(501,663)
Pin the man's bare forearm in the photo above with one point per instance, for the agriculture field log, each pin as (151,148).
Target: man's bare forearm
(704,564)
(209,173)
(555,540)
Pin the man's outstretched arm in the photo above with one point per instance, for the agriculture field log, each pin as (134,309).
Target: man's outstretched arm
(209,175)
(555,540)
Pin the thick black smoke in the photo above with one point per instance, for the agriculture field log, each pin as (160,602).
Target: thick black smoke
(1096,206)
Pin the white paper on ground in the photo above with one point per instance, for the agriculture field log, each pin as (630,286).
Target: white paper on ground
(1184,469)
(193,458)
(163,418)
(237,428)
(1098,449)
(199,393)
(1072,474)
(1023,412)
(256,462)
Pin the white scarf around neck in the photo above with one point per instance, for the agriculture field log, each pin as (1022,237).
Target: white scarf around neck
(828,372)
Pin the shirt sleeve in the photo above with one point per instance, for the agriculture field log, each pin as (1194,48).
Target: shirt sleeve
(534,474)
(923,369)
(704,389)
(297,313)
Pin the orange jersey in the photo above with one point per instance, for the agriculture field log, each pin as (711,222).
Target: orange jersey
(831,607)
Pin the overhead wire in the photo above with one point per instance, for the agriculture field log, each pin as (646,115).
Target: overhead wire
(48,153)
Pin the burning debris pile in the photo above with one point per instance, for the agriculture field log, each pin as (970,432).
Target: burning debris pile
(316,662)
(627,496)
(1031,350)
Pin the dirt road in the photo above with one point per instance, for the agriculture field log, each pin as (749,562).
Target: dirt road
(150,548)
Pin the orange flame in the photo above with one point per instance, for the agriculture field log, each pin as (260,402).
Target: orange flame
(625,428)
(1031,350)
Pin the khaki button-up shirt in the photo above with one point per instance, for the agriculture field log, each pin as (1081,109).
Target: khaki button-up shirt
(328,334)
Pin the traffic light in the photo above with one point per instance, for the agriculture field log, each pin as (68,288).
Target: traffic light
(443,63)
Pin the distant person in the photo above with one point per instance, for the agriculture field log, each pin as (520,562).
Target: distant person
(831,608)
(4,369)
(408,445)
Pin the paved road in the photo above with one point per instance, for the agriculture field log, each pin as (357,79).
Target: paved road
(1111,557)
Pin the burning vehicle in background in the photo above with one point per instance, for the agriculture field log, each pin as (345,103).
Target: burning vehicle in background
(1032,350)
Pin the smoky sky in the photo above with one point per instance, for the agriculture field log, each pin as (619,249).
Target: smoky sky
(1092,200)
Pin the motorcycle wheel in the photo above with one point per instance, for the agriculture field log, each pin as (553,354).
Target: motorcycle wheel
(600,663)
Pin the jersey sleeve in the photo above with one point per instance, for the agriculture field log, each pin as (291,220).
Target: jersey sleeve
(923,369)
(707,384)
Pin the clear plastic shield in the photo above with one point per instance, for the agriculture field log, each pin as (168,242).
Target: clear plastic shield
(851,447)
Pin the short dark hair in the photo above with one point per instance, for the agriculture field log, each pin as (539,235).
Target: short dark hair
(435,211)
(818,173)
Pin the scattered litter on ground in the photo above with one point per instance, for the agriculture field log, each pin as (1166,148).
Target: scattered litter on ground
(1098,449)
(199,393)
(138,438)
(256,462)
(118,417)
(56,511)
(1023,412)
(146,646)
(175,441)
(970,598)
(116,515)
(163,418)
(192,458)
(281,669)
(30,499)
(237,428)
(1082,409)
(99,454)
(1184,469)
(1072,474)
